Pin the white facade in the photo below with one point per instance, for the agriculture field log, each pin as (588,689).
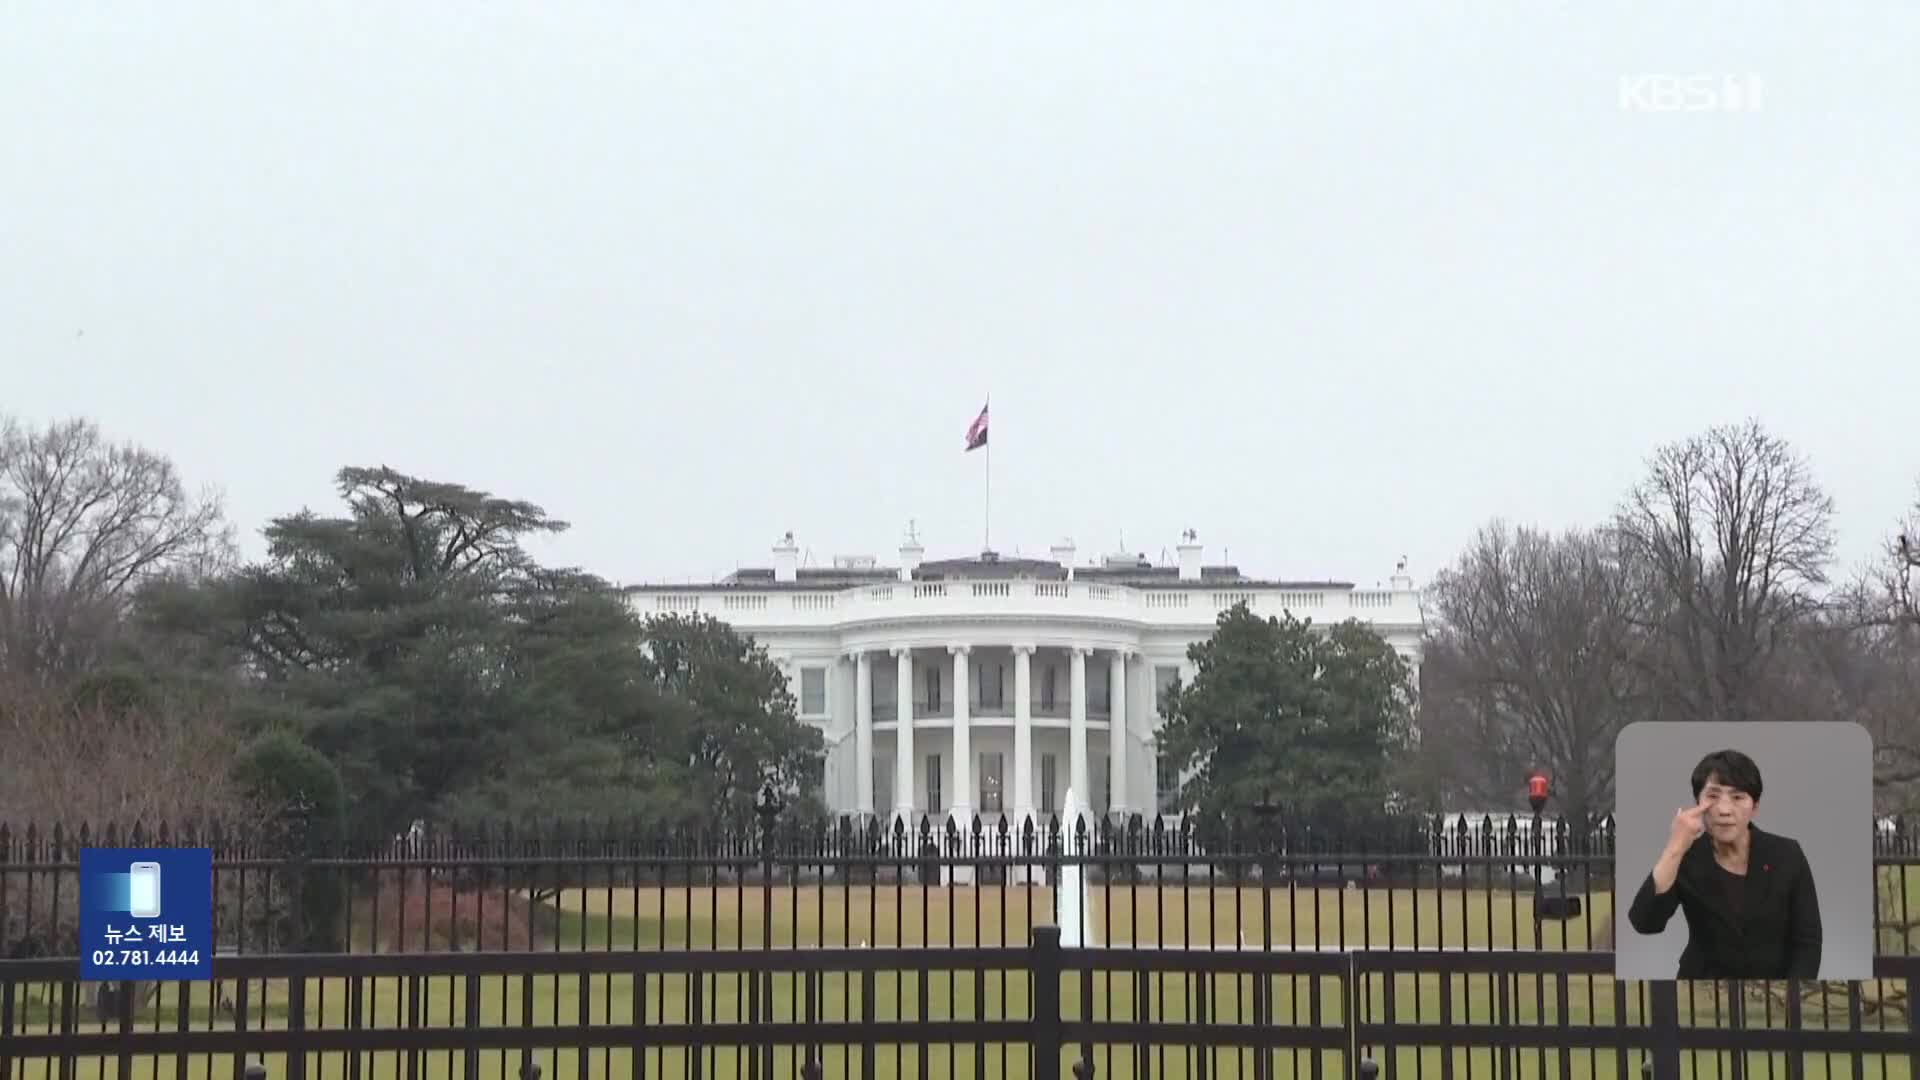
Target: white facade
(1021,678)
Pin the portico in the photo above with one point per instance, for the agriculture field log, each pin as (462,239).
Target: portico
(996,729)
(984,689)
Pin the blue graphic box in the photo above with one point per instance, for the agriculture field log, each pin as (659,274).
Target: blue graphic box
(146,913)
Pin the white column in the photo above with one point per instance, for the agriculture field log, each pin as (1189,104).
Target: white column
(1077,731)
(1022,736)
(903,785)
(863,731)
(962,799)
(1117,731)
(960,803)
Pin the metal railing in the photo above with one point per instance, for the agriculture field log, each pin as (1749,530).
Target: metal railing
(1402,884)
(1038,1010)
(1272,949)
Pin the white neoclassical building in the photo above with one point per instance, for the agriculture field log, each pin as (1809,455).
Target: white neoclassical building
(991,686)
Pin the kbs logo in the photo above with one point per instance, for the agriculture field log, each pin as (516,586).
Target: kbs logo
(1690,93)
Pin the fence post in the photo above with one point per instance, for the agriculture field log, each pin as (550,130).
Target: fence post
(1538,868)
(1046,1003)
(293,825)
(1663,1009)
(767,809)
(1266,811)
(296,1028)
(1913,1003)
(6,999)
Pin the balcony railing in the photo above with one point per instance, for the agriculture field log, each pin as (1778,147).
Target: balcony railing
(886,712)
(1170,606)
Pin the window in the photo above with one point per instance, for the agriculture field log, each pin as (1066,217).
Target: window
(1046,783)
(933,689)
(992,782)
(1105,801)
(1163,679)
(991,681)
(1166,786)
(1099,692)
(813,691)
(883,786)
(935,803)
(1046,687)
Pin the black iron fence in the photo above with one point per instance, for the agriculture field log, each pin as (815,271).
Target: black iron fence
(625,886)
(1270,950)
(1405,884)
(1037,1010)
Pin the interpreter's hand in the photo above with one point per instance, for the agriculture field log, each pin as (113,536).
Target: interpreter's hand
(1687,826)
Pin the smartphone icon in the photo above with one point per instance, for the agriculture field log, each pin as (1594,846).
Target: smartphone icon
(143,890)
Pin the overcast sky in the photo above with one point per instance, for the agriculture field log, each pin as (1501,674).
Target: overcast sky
(1328,283)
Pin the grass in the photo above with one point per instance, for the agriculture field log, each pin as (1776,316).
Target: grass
(994,915)
(696,919)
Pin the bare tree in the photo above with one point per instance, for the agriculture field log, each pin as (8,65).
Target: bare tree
(1885,595)
(1735,536)
(83,524)
(1869,663)
(107,759)
(1469,756)
(76,758)
(1532,661)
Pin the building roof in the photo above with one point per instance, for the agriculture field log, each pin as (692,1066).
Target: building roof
(989,568)
(815,576)
(1135,572)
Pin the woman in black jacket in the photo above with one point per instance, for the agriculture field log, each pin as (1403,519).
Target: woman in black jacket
(1751,908)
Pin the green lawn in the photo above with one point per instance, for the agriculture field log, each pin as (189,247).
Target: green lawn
(837,916)
(1121,915)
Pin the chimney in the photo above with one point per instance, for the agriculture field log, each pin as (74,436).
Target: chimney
(1062,553)
(1189,556)
(1402,581)
(910,554)
(786,559)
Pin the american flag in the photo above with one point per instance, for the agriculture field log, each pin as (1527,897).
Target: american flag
(977,431)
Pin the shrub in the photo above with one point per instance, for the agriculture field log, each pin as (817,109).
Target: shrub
(416,912)
(305,818)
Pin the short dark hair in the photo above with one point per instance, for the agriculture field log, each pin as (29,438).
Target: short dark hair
(1733,769)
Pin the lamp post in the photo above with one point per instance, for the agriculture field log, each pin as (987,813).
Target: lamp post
(1265,811)
(1539,787)
(767,809)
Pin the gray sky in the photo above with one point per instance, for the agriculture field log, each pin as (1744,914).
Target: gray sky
(1328,283)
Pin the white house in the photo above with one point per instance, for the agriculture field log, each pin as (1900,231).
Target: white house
(992,685)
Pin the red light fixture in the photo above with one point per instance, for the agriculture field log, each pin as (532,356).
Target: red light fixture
(1537,788)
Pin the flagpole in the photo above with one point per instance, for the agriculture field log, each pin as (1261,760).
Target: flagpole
(987,527)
